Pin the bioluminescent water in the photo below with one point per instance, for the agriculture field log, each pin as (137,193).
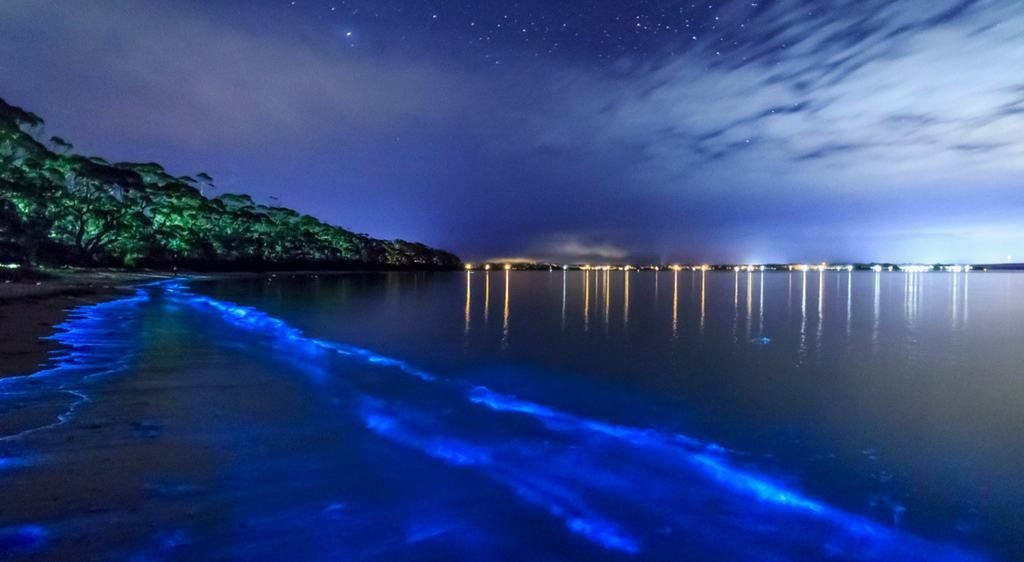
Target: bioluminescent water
(526,416)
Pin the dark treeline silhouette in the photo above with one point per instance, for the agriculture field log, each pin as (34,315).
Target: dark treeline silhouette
(62,208)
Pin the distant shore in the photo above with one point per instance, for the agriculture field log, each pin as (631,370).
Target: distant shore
(33,303)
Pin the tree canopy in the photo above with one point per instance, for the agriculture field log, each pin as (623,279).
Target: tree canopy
(58,207)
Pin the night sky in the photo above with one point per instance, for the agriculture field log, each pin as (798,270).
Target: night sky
(598,130)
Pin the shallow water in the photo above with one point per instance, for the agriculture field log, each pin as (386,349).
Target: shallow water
(528,415)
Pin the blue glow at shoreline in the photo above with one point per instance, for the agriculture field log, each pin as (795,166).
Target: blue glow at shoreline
(700,454)
(562,473)
(708,458)
(577,517)
(96,341)
(23,538)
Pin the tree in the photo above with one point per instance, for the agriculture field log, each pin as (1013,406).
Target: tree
(59,207)
(101,206)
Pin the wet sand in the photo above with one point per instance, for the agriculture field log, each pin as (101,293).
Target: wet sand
(232,436)
(182,460)
(30,309)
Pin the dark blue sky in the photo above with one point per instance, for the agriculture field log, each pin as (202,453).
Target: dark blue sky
(601,130)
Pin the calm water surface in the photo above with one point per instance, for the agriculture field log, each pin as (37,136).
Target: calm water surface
(528,416)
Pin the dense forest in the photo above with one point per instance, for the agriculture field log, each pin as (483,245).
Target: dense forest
(61,208)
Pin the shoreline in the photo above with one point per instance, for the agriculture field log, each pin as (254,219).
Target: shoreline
(30,311)
(31,308)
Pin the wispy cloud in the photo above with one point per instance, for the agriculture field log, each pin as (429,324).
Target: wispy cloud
(834,115)
(575,248)
(861,90)
(148,71)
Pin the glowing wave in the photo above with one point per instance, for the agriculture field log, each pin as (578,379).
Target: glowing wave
(96,340)
(578,470)
(550,484)
(550,496)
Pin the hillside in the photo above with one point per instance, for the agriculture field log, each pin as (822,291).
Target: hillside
(62,208)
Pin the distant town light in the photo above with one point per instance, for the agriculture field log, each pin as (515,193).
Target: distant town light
(487,267)
(469,266)
(508,266)
(876,268)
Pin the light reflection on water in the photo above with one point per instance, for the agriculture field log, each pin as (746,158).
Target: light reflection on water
(872,368)
(866,419)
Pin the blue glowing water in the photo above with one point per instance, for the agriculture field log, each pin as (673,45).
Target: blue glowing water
(193,427)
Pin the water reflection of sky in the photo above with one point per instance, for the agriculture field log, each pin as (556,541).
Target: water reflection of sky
(613,487)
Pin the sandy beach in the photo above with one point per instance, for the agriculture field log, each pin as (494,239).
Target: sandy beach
(29,310)
(31,307)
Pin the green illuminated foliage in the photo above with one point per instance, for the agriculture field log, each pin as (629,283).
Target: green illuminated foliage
(57,207)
